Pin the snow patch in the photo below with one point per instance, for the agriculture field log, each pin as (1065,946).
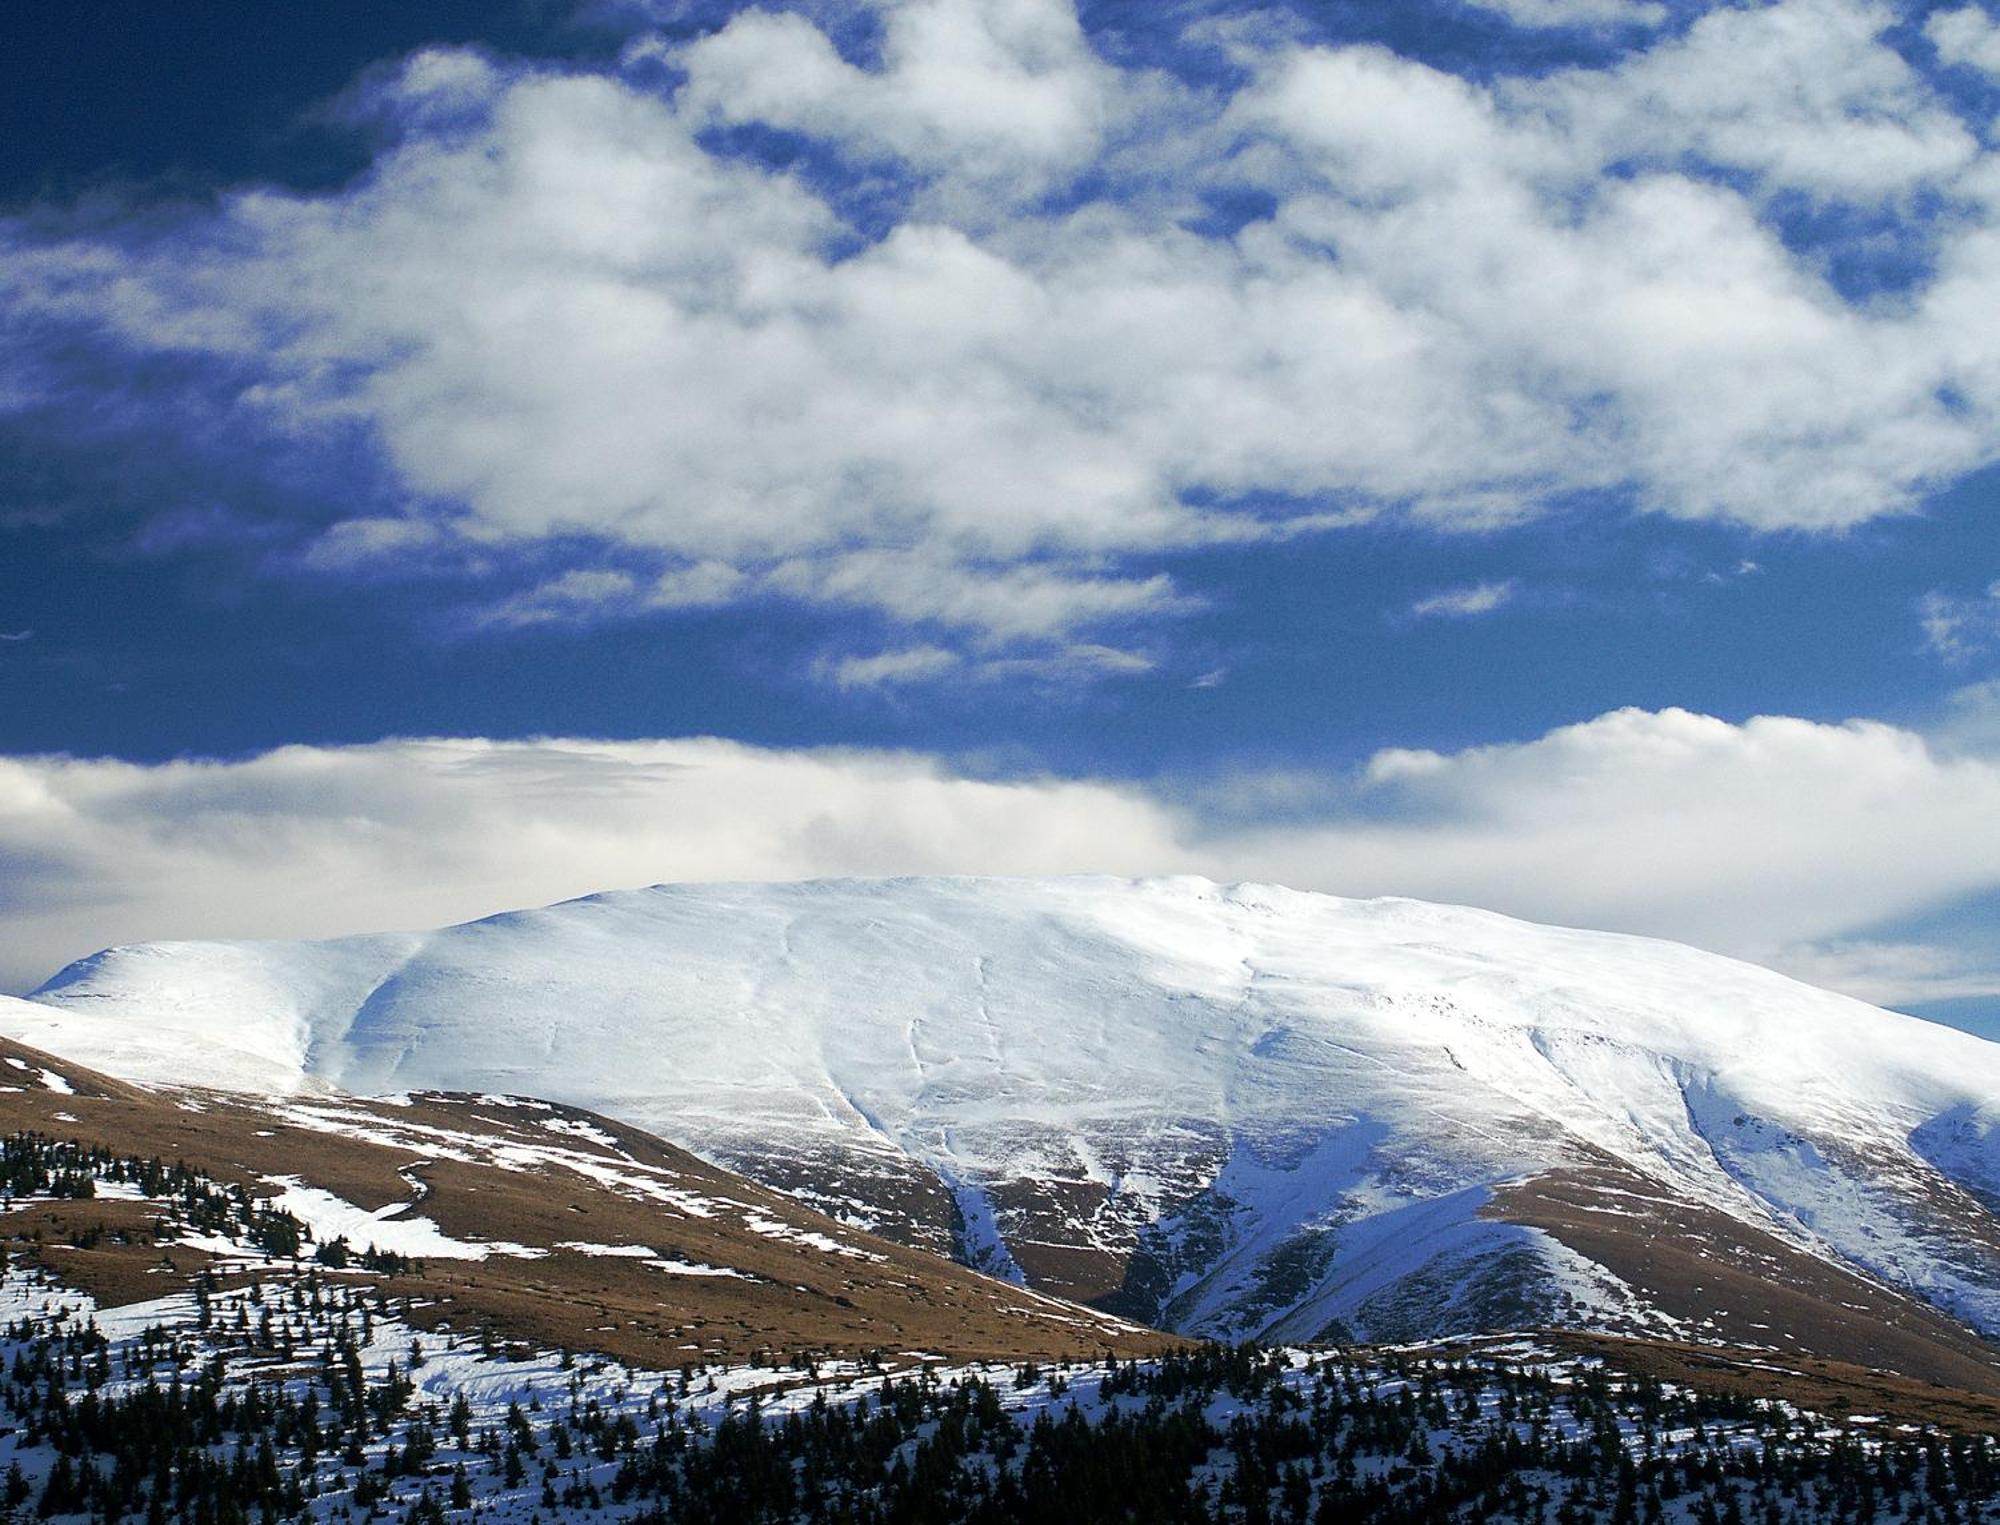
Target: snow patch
(329,1217)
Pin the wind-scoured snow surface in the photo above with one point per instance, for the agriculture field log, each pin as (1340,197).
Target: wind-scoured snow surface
(1273,1113)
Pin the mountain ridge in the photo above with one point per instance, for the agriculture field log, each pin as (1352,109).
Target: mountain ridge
(1231,1110)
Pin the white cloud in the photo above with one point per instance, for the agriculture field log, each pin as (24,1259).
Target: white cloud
(1777,839)
(1078,662)
(911,664)
(1972,720)
(1968,37)
(566,596)
(1958,627)
(1894,973)
(1003,601)
(359,543)
(566,320)
(321,841)
(1002,96)
(1464,603)
(1803,94)
(1575,13)
(1750,838)
(1650,324)
(1075,663)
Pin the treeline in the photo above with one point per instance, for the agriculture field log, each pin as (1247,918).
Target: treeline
(168,1428)
(263,1406)
(1231,1434)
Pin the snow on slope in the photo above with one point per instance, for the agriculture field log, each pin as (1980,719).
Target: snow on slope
(1241,1109)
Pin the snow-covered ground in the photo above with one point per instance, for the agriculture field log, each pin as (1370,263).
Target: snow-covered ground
(392,1228)
(1299,1102)
(523,1434)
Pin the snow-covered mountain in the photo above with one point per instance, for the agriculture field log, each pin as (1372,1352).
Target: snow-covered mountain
(1231,1110)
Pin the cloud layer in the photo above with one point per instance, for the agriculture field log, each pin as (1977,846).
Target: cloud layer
(1752,838)
(1016,322)
(1778,839)
(308,841)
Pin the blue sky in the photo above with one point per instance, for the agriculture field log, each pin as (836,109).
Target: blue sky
(1539,453)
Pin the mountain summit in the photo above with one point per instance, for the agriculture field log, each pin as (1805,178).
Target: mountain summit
(1228,1110)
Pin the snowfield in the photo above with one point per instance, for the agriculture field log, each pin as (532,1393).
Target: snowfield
(1272,1113)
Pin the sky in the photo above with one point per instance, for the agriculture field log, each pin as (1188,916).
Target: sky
(1535,453)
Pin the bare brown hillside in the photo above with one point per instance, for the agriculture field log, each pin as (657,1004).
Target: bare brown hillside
(588,1234)
(1725,1282)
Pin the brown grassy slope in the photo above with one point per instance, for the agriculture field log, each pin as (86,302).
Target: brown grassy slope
(495,1169)
(1730,1283)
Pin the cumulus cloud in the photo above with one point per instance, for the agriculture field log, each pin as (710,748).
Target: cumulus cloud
(992,97)
(1779,839)
(569,316)
(1803,95)
(1967,37)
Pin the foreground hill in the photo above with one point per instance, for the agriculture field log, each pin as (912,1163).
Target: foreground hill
(303,1396)
(1232,1111)
(538,1222)
(212,1308)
